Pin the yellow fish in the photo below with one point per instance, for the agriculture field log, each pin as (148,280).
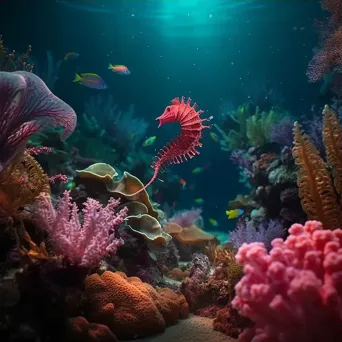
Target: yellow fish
(213,222)
(149,141)
(214,136)
(199,200)
(235,213)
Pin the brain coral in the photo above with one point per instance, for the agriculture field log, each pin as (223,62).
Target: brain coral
(131,308)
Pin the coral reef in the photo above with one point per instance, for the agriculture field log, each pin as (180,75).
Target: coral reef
(327,59)
(81,244)
(10,62)
(294,292)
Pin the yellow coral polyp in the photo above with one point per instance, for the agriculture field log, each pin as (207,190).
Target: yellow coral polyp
(20,184)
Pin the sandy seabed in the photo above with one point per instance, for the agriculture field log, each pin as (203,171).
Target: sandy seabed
(193,329)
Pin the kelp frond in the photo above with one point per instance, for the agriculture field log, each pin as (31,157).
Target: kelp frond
(316,190)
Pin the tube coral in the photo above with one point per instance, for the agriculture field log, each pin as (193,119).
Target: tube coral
(294,293)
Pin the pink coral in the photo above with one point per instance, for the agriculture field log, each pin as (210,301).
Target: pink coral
(82,244)
(294,293)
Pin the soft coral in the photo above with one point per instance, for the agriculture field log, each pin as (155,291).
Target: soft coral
(294,293)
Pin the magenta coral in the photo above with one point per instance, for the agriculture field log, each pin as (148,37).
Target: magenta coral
(294,293)
(81,244)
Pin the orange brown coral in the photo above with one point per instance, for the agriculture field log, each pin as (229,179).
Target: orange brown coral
(316,190)
(21,183)
(129,307)
(35,252)
(332,138)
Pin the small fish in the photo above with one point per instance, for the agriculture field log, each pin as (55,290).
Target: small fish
(182,182)
(70,184)
(90,80)
(199,200)
(213,222)
(214,136)
(119,69)
(149,141)
(198,170)
(235,213)
(71,55)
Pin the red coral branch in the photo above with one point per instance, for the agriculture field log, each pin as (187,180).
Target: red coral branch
(328,55)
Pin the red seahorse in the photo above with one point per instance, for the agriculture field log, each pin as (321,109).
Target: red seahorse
(184,145)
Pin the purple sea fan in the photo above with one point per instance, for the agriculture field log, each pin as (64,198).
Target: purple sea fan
(186,218)
(81,244)
(243,159)
(315,132)
(26,107)
(282,132)
(246,232)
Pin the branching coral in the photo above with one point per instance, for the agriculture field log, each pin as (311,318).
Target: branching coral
(281,133)
(332,138)
(246,232)
(316,190)
(103,114)
(20,183)
(10,62)
(254,128)
(294,293)
(226,268)
(81,244)
(327,58)
(236,139)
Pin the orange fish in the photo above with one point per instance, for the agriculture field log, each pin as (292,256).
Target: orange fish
(119,69)
(182,182)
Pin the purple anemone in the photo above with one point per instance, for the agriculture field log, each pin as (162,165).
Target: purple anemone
(26,107)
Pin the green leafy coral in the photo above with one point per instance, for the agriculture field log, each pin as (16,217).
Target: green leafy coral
(253,128)
(259,126)
(236,138)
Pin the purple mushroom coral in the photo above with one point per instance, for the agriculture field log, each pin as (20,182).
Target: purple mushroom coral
(26,107)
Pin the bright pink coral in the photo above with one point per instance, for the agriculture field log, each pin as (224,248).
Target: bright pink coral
(294,293)
(81,244)
(27,106)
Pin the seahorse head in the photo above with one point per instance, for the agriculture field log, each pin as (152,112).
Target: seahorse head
(169,115)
